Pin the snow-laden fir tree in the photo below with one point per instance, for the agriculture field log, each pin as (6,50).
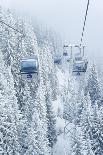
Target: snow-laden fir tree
(85,125)
(74,102)
(91,128)
(33,131)
(96,131)
(51,123)
(51,118)
(93,86)
(9,114)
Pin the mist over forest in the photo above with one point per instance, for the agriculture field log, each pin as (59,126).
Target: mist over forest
(51,93)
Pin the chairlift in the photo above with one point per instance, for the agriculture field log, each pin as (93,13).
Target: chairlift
(65,51)
(29,66)
(57,60)
(80,66)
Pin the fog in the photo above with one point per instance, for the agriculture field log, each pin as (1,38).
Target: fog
(66,18)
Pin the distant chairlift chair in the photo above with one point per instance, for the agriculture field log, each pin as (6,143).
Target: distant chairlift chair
(80,66)
(29,66)
(57,60)
(65,51)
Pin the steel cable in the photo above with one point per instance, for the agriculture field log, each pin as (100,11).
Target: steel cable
(85,19)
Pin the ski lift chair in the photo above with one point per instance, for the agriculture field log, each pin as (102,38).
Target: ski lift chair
(79,67)
(57,60)
(65,52)
(29,66)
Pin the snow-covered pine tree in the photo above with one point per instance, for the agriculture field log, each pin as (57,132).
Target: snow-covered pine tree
(76,143)
(4,35)
(91,128)
(93,86)
(25,92)
(85,124)
(9,113)
(51,118)
(51,72)
(74,103)
(32,132)
(69,108)
(69,102)
(52,137)
(96,131)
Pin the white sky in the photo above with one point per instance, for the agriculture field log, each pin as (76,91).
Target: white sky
(66,17)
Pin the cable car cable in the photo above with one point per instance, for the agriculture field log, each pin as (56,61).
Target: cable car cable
(85,19)
(1,21)
(23,35)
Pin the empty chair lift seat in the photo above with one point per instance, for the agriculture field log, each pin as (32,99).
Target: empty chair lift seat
(29,66)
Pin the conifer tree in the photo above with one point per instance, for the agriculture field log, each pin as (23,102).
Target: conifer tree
(93,87)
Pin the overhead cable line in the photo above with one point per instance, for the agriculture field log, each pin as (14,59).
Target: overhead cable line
(1,21)
(23,35)
(85,19)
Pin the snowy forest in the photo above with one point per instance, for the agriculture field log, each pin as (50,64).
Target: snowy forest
(55,113)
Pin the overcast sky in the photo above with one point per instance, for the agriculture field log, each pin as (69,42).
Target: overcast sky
(66,17)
